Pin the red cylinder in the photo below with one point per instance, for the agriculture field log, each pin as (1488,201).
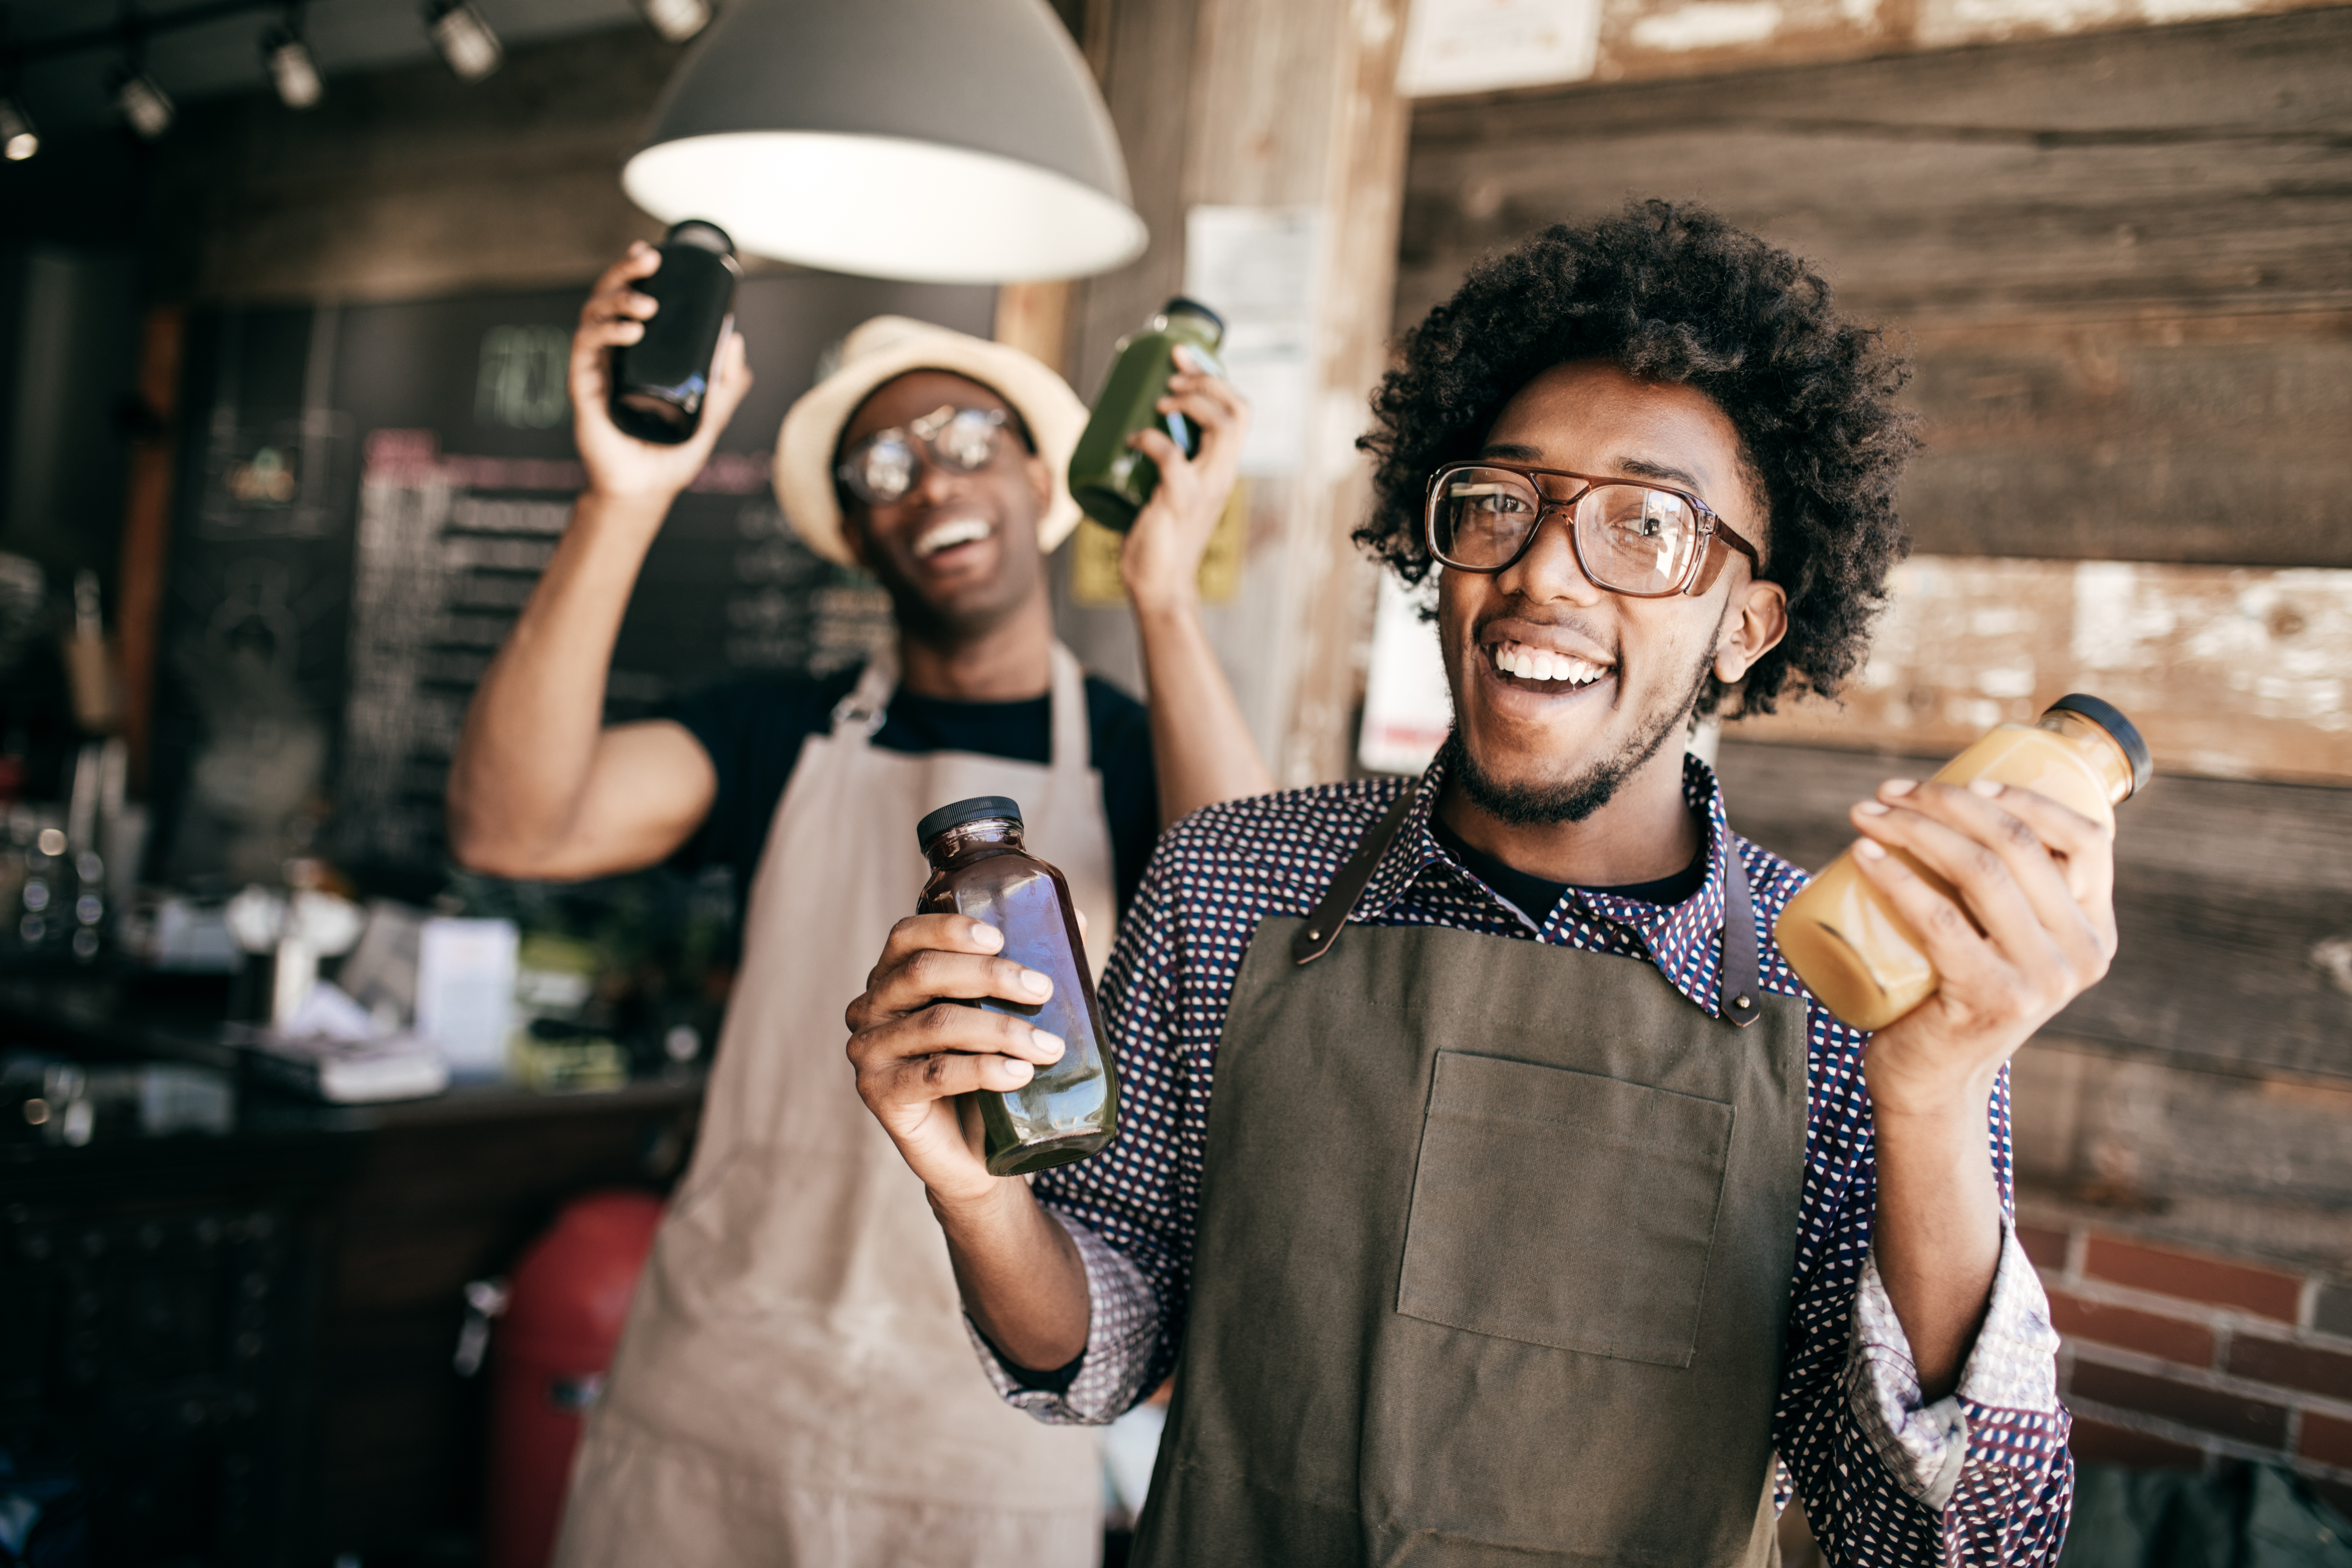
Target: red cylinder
(567,1301)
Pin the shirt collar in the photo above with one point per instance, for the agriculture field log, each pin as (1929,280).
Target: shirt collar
(1680,938)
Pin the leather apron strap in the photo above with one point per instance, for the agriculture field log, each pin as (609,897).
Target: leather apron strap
(1739,985)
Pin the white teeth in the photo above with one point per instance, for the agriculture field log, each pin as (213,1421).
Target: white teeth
(1543,664)
(949,534)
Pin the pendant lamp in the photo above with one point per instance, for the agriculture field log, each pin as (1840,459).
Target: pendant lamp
(934,141)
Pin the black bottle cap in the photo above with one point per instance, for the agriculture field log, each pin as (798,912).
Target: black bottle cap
(979,808)
(702,233)
(2107,718)
(1193,307)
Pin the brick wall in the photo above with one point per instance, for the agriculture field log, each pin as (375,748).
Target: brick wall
(2177,1359)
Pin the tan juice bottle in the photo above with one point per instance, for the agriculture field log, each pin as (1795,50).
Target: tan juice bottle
(1846,942)
(1070,1110)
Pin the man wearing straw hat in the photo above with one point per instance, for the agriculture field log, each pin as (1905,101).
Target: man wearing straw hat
(796,1385)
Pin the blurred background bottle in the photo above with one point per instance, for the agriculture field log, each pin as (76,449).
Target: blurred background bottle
(1110,479)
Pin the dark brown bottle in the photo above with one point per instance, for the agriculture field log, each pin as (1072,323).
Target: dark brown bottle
(1070,1110)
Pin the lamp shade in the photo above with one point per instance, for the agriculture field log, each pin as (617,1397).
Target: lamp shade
(936,140)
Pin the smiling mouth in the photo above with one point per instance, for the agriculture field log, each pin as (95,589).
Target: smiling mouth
(1546,666)
(949,534)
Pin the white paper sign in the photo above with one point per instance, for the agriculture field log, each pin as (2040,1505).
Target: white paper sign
(1256,266)
(1407,706)
(465,992)
(1479,46)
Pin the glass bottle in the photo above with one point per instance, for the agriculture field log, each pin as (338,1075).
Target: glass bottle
(660,380)
(1109,479)
(1070,1109)
(1844,938)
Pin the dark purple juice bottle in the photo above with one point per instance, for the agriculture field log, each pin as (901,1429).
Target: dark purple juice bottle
(1070,1110)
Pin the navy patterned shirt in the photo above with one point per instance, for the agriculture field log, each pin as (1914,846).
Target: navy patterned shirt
(1979,1477)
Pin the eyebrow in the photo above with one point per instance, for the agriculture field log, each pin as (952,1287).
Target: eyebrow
(1639,468)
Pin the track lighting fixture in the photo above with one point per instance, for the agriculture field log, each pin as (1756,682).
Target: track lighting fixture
(464,40)
(18,139)
(293,69)
(676,20)
(144,104)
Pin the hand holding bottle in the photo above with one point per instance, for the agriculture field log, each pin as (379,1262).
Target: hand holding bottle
(620,467)
(2025,924)
(1160,562)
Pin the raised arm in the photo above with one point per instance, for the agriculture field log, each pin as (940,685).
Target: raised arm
(1200,743)
(2029,926)
(540,787)
(915,1049)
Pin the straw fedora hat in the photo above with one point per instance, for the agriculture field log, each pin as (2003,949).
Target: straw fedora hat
(888,346)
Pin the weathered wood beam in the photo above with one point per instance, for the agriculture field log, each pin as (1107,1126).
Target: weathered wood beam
(2237,672)
(1226,102)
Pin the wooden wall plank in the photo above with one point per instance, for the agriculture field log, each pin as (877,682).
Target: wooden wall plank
(2231,672)
(2124,262)
(2229,896)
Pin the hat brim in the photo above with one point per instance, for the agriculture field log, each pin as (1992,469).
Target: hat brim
(889,346)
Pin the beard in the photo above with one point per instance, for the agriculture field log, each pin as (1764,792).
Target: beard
(1571,799)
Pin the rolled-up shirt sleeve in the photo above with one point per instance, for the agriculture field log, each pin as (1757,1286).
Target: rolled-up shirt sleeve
(2012,1370)
(1122,1332)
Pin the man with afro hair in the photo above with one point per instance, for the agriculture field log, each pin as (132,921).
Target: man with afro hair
(1542,1215)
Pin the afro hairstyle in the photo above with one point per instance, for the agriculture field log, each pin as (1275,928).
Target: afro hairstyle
(1675,294)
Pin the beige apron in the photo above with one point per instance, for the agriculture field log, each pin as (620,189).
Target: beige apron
(796,1385)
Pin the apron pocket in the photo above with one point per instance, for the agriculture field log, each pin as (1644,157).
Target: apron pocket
(1565,1209)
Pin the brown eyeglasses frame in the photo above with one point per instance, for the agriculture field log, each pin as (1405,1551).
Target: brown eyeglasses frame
(1705,564)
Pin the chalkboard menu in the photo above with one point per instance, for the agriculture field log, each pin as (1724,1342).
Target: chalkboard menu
(368,495)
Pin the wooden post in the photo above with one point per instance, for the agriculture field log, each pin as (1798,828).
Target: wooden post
(147,528)
(1233,102)
(1035,318)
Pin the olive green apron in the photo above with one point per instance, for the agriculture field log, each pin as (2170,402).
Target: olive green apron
(1494,1255)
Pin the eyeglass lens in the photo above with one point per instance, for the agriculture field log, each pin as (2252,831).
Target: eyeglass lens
(882,468)
(1629,536)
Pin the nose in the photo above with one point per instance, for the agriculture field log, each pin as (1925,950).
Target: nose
(934,482)
(1549,571)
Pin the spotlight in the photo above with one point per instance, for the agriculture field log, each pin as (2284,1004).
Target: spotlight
(676,20)
(145,105)
(292,69)
(18,139)
(464,40)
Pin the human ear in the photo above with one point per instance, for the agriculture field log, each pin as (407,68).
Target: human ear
(1757,621)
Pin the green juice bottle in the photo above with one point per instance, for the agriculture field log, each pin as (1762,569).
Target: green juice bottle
(1110,479)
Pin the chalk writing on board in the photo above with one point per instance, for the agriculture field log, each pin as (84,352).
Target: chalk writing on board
(519,380)
(442,569)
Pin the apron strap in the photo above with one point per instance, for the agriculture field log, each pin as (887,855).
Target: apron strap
(1322,928)
(1742,976)
(861,713)
(1071,743)
(1737,986)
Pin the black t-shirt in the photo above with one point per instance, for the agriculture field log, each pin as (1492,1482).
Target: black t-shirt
(753,727)
(1536,897)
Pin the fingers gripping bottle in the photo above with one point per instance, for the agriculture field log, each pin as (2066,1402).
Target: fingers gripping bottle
(660,380)
(1110,479)
(1843,937)
(979,867)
